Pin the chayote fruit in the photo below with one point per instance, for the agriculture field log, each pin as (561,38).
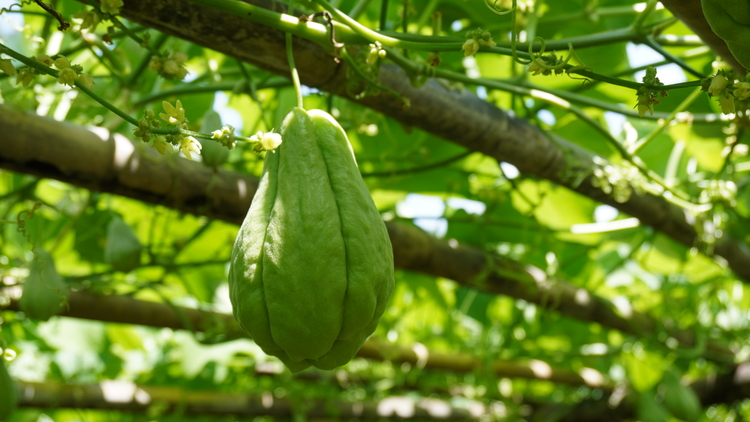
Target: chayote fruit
(312,266)
(123,249)
(8,396)
(44,291)
(730,20)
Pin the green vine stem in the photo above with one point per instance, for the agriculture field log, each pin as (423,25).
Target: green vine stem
(513,87)
(359,8)
(640,19)
(676,197)
(290,58)
(353,32)
(649,41)
(109,106)
(383,14)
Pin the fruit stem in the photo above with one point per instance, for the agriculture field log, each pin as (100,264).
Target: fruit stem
(290,57)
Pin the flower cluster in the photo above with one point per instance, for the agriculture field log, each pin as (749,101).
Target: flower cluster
(175,116)
(648,93)
(171,67)
(68,74)
(376,52)
(225,136)
(620,181)
(730,91)
(476,38)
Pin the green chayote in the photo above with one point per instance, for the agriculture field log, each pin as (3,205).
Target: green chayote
(312,266)
(730,20)
(44,291)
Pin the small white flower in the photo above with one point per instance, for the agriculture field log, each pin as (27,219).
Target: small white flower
(179,57)
(470,47)
(175,113)
(269,140)
(7,67)
(742,91)
(718,83)
(67,76)
(189,144)
(161,145)
(726,102)
(62,62)
(171,67)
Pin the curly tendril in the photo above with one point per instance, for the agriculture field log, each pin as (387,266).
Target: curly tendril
(539,62)
(21,220)
(47,8)
(18,6)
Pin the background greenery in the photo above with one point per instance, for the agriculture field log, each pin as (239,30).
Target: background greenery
(536,298)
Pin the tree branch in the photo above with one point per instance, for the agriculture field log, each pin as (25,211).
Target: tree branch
(222,327)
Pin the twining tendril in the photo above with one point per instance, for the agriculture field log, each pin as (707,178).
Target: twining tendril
(47,8)
(539,62)
(21,221)
(498,9)
(17,6)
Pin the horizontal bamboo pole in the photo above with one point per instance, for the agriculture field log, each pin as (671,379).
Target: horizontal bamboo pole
(130,397)
(222,327)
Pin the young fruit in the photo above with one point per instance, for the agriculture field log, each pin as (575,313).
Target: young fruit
(123,250)
(312,266)
(44,292)
(8,395)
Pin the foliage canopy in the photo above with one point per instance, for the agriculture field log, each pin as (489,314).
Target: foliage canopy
(580,166)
